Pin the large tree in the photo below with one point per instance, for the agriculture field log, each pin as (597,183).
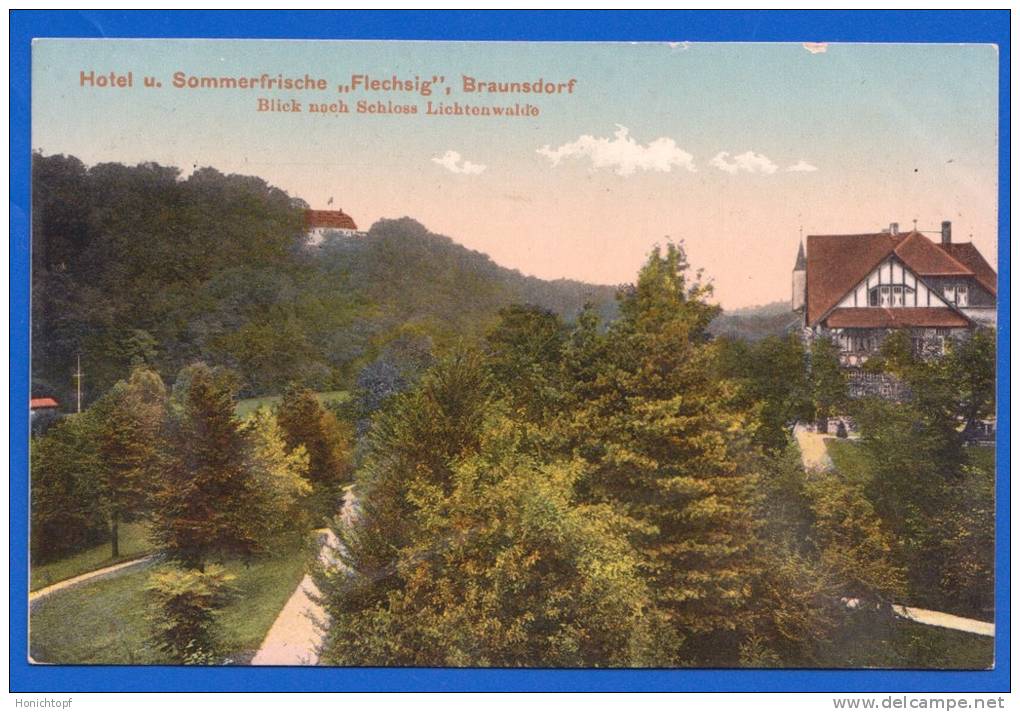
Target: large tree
(828,382)
(66,469)
(279,482)
(306,424)
(468,548)
(203,501)
(774,378)
(132,425)
(525,357)
(667,449)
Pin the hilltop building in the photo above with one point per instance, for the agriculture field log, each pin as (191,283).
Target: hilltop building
(320,222)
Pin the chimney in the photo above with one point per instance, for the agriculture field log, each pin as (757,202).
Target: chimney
(894,228)
(947,232)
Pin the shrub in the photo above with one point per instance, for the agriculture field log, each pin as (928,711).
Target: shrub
(185,604)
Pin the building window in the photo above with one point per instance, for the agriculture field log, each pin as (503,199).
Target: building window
(891,296)
(956,294)
(858,341)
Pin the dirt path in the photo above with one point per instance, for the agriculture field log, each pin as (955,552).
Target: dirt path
(812,449)
(297,633)
(34,596)
(816,459)
(945,620)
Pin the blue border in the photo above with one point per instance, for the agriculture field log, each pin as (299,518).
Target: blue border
(758,26)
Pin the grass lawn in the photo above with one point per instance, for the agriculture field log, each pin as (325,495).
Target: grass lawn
(134,542)
(249,405)
(848,459)
(982,456)
(104,621)
(904,644)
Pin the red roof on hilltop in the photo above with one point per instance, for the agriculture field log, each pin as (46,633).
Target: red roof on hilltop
(837,263)
(329,219)
(41,403)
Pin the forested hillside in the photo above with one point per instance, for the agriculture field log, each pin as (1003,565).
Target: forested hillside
(755,323)
(137,266)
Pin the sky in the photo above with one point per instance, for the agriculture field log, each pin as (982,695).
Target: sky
(736,149)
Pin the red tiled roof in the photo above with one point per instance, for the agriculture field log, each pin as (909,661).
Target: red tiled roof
(329,219)
(41,403)
(877,317)
(926,258)
(836,263)
(968,255)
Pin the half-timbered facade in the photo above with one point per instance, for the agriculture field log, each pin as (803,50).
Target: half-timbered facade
(856,289)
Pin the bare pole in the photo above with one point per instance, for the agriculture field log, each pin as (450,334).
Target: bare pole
(77,376)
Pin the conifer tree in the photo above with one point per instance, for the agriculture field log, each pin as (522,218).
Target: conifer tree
(414,439)
(202,504)
(328,442)
(666,448)
(524,352)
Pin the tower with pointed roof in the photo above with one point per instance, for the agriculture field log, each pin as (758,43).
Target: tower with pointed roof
(799,280)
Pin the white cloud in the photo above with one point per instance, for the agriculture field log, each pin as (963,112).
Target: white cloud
(749,162)
(801,166)
(622,153)
(451,161)
(816,47)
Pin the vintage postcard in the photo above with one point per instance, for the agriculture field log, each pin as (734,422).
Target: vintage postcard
(513,354)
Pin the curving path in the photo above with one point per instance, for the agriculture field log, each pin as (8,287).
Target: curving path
(945,620)
(297,633)
(34,596)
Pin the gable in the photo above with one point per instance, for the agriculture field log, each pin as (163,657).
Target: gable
(892,273)
(837,263)
(839,268)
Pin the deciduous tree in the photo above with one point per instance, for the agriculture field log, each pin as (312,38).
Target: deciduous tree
(129,441)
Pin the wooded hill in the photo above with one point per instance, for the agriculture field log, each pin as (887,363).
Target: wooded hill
(755,323)
(135,265)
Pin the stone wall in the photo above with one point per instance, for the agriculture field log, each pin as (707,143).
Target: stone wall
(863,383)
